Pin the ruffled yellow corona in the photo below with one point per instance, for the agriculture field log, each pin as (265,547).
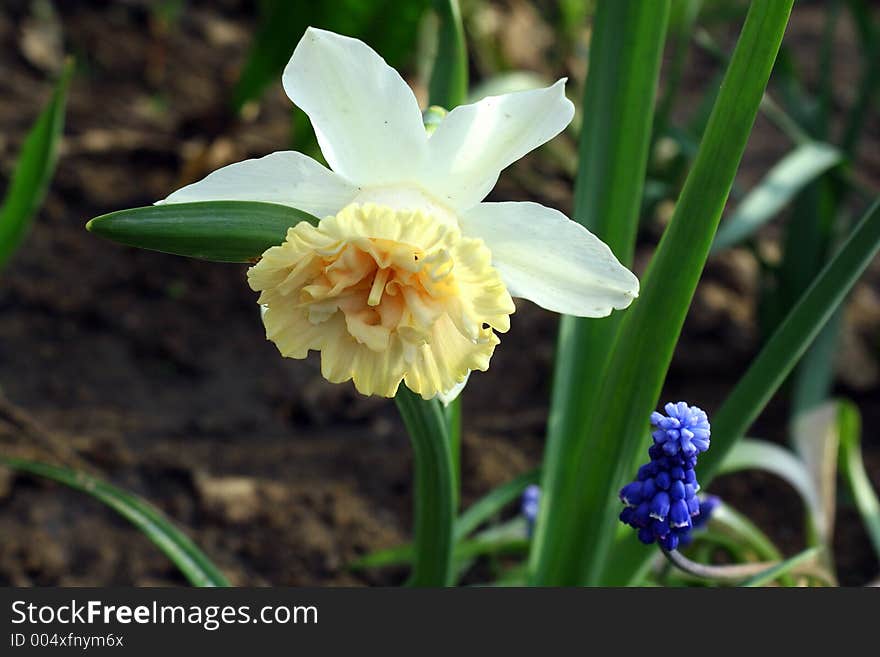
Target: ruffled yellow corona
(386,296)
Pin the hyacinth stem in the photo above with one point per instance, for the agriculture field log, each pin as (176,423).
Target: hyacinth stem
(434,489)
(734,573)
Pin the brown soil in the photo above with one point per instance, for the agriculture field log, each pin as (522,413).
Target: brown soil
(155,372)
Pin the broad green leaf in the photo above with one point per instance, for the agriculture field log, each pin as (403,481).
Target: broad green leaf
(625,56)
(191,561)
(449,75)
(852,468)
(600,445)
(791,339)
(789,566)
(34,169)
(223,231)
(435,495)
(791,174)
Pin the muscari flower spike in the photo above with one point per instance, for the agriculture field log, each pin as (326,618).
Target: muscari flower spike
(409,275)
(662,503)
(531,500)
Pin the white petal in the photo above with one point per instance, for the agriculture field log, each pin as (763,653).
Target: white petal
(475,142)
(286,177)
(449,396)
(545,257)
(366,118)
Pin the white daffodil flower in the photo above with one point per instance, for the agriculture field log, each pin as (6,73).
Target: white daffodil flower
(408,275)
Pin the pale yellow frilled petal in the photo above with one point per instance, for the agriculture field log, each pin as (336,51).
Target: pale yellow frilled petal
(386,295)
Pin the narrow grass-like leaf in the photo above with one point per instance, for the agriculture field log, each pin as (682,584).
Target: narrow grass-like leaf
(191,561)
(478,513)
(611,435)
(791,339)
(449,76)
(784,568)
(791,174)
(852,468)
(625,56)
(434,513)
(509,538)
(223,231)
(34,169)
(493,502)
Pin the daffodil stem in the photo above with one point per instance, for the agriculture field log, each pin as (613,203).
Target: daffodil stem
(434,489)
(734,573)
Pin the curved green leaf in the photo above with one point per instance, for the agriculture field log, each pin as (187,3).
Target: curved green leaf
(223,231)
(34,169)
(853,470)
(191,561)
(751,454)
(791,174)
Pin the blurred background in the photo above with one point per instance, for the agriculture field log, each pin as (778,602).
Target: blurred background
(153,371)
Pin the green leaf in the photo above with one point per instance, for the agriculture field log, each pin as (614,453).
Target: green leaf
(449,75)
(751,454)
(791,339)
(791,174)
(223,231)
(493,502)
(509,538)
(191,561)
(784,568)
(33,171)
(852,468)
(601,449)
(625,56)
(478,513)
(434,513)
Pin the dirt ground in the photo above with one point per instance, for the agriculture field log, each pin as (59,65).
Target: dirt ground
(155,372)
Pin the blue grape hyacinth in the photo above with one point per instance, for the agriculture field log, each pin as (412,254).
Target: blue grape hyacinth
(531,499)
(683,429)
(662,502)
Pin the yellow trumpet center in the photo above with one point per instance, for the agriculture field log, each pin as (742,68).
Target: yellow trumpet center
(385,295)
